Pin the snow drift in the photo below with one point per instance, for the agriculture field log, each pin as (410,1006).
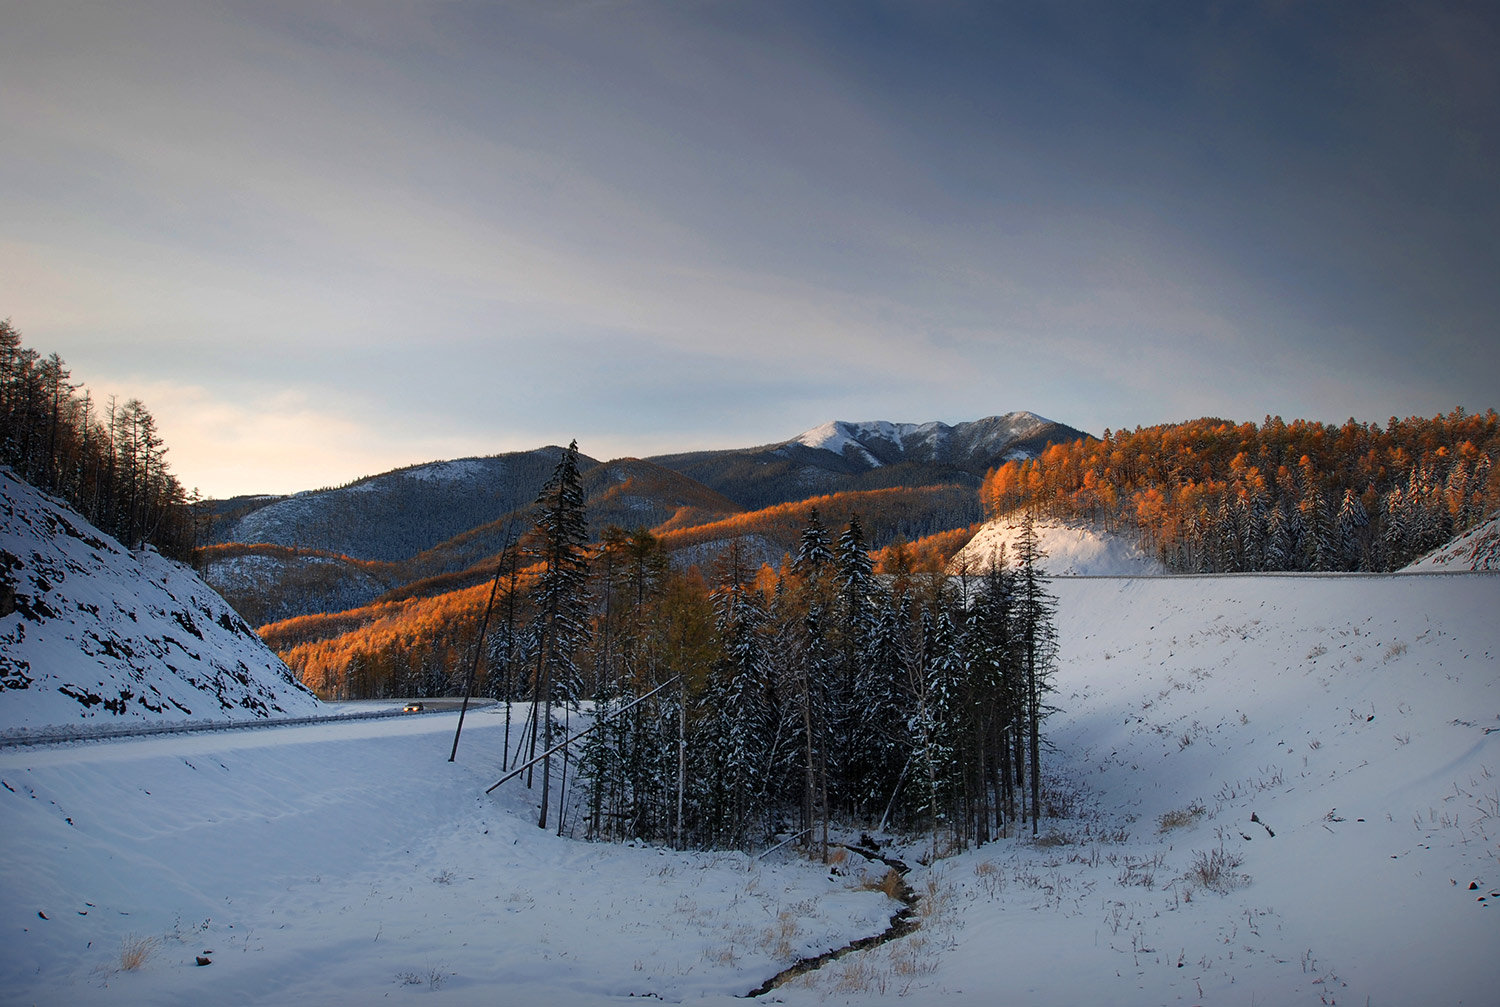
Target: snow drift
(90,631)
(1073,549)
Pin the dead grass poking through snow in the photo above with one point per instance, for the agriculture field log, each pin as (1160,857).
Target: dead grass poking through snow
(776,940)
(890,883)
(1217,870)
(135,951)
(1179,817)
(859,974)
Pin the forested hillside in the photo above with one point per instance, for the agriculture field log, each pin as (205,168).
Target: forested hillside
(436,527)
(92,632)
(267,583)
(888,515)
(1213,496)
(404,626)
(107,459)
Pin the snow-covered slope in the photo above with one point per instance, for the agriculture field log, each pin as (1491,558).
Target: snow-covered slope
(91,632)
(1476,549)
(1073,549)
(351,863)
(269,583)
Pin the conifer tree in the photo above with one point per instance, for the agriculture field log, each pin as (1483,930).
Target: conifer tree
(1036,636)
(881,737)
(561,533)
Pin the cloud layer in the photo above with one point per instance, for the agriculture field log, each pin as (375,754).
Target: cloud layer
(337,238)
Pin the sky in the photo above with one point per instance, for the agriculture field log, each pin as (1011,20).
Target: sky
(323,240)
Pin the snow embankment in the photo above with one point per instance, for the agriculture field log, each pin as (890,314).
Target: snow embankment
(1074,549)
(91,632)
(1476,549)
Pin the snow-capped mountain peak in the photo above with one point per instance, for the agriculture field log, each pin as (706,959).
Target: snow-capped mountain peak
(874,443)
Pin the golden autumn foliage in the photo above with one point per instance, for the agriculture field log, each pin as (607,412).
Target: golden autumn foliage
(233,550)
(885,514)
(388,641)
(929,554)
(1213,495)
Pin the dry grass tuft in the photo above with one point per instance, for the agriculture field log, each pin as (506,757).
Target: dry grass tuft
(134,951)
(890,883)
(1217,870)
(1179,817)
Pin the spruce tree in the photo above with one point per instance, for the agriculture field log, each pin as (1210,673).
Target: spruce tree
(561,534)
(1036,635)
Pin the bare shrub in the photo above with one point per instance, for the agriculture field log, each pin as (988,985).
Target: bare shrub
(1061,799)
(1139,871)
(134,951)
(1395,650)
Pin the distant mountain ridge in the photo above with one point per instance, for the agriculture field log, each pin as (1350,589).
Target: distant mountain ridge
(842,455)
(980,442)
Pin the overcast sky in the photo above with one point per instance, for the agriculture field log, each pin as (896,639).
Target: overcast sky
(324,240)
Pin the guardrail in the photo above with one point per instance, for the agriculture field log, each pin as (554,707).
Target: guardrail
(24,738)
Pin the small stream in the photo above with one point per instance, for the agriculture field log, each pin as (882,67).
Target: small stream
(903,922)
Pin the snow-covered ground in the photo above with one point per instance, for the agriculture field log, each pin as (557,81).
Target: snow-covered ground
(1331,744)
(344,863)
(1073,548)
